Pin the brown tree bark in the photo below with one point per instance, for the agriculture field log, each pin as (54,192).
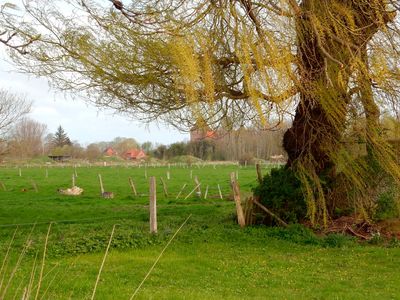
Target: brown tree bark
(326,59)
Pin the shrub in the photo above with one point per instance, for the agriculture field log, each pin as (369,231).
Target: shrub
(281,192)
(386,206)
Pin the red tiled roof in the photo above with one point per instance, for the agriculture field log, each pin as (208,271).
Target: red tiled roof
(135,153)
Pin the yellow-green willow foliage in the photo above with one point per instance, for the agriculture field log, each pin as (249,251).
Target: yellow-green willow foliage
(330,66)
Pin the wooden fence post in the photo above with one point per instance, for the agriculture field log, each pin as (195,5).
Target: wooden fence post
(249,211)
(34,186)
(20,172)
(219,191)
(132,185)
(236,197)
(164,187)
(205,194)
(73,180)
(196,181)
(101,185)
(259,174)
(47,173)
(153,205)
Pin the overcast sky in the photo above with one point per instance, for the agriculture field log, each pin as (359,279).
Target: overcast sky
(82,122)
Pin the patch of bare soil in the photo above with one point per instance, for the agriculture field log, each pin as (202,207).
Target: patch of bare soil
(363,230)
(353,226)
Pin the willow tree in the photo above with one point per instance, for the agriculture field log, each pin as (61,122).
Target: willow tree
(323,63)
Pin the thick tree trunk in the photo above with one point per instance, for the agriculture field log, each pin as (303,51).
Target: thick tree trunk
(321,112)
(326,60)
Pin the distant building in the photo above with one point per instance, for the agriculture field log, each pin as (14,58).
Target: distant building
(134,154)
(110,152)
(60,157)
(202,133)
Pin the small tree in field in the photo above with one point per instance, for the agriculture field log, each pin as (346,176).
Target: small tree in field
(325,64)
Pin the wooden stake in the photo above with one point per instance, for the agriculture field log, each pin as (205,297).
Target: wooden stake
(192,191)
(73,180)
(101,185)
(259,175)
(191,174)
(205,194)
(20,172)
(132,185)
(153,205)
(145,173)
(180,192)
(196,181)
(34,186)
(220,193)
(236,197)
(248,213)
(3,186)
(47,173)
(232,177)
(237,175)
(76,173)
(168,175)
(164,187)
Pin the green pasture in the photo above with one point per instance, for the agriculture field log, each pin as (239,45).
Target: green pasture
(210,258)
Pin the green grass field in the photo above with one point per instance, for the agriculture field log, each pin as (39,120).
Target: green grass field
(210,258)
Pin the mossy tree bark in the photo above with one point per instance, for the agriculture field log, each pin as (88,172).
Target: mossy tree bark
(327,58)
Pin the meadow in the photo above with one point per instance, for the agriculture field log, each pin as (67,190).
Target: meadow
(211,257)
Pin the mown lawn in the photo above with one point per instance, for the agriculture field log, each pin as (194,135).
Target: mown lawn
(210,258)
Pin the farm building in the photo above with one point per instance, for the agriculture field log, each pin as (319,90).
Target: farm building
(110,152)
(198,133)
(134,154)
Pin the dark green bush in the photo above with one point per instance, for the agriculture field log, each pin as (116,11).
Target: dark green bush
(280,191)
(386,206)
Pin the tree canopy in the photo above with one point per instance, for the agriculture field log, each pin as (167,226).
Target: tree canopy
(60,138)
(325,64)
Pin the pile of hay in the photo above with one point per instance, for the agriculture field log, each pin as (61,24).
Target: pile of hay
(74,191)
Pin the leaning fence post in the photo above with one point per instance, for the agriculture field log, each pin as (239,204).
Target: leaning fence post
(101,184)
(164,187)
(219,191)
(153,205)
(73,180)
(236,197)
(205,194)
(132,185)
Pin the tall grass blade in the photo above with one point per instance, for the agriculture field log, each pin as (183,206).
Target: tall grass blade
(158,258)
(102,263)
